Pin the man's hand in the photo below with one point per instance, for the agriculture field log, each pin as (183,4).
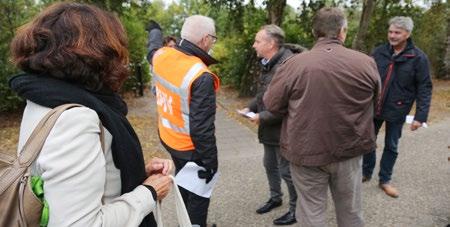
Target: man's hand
(159,165)
(255,119)
(160,183)
(210,170)
(207,174)
(415,125)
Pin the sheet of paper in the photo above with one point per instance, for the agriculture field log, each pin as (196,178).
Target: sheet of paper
(250,114)
(246,114)
(409,119)
(188,179)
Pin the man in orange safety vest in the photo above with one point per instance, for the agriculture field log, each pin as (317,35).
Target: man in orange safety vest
(186,102)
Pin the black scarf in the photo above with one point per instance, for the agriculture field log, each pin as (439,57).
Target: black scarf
(111,109)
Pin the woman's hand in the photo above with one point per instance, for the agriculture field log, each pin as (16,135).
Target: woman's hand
(159,165)
(161,183)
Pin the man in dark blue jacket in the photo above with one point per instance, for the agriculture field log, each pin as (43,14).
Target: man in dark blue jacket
(405,75)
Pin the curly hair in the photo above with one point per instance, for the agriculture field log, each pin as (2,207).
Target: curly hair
(74,42)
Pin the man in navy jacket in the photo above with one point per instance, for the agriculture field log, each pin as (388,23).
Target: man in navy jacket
(405,75)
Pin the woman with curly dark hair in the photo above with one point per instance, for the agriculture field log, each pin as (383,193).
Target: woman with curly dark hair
(77,53)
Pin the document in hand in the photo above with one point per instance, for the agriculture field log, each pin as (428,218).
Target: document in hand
(410,119)
(188,179)
(246,114)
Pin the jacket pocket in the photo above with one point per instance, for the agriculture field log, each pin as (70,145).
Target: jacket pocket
(405,76)
(400,106)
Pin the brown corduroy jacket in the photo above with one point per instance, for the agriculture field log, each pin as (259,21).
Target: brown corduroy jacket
(327,98)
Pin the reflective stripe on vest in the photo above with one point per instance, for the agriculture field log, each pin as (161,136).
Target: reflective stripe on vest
(183,92)
(174,72)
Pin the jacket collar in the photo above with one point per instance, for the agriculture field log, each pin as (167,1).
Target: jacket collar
(407,53)
(191,49)
(409,46)
(274,60)
(321,42)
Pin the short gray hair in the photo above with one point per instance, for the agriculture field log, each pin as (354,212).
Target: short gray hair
(402,22)
(328,22)
(196,27)
(275,33)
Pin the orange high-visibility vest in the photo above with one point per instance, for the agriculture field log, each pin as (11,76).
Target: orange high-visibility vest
(174,72)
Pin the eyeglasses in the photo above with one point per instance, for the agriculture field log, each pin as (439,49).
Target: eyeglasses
(214,38)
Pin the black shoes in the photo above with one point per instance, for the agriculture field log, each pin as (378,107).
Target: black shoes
(286,219)
(268,206)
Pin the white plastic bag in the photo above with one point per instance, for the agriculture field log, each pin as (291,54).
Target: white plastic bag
(182,215)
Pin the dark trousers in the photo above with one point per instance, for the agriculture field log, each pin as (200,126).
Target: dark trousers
(276,168)
(197,206)
(390,151)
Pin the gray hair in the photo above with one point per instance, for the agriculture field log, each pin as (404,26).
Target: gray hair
(328,22)
(196,27)
(402,22)
(274,32)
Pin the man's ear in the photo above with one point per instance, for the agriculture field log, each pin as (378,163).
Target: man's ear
(273,43)
(202,42)
(342,34)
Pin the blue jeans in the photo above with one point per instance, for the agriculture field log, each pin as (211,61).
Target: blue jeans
(393,134)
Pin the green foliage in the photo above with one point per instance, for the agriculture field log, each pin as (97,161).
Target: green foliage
(299,29)
(237,22)
(238,65)
(14,14)
(110,5)
(298,26)
(137,40)
(434,22)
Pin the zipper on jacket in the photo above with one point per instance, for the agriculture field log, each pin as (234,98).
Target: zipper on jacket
(22,187)
(383,89)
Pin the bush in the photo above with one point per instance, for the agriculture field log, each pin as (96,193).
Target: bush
(137,40)
(14,14)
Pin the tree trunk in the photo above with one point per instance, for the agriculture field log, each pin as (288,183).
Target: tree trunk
(358,42)
(248,84)
(447,54)
(275,9)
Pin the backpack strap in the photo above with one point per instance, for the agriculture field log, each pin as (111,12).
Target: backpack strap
(34,145)
(36,141)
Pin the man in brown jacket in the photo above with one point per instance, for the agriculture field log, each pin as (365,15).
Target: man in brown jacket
(327,97)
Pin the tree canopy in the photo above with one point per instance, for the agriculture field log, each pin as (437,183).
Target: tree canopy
(237,22)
